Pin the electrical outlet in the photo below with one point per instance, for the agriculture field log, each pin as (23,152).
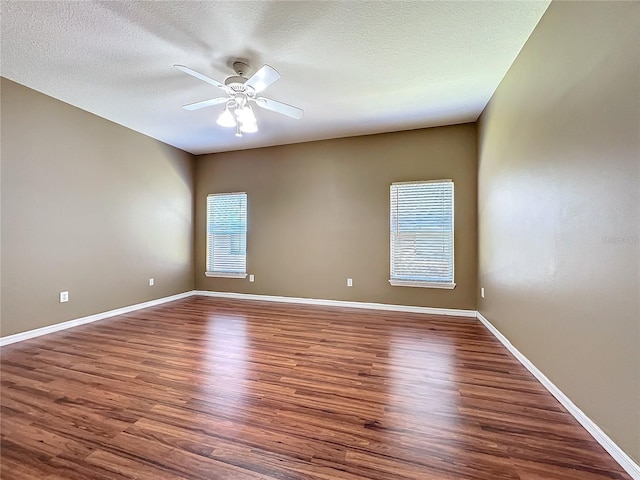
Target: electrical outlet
(482,292)
(349,282)
(252,278)
(151,282)
(64,297)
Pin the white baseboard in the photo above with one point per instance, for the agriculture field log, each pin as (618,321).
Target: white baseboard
(18,337)
(339,303)
(596,432)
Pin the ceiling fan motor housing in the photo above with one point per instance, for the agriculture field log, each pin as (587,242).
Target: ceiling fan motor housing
(236,83)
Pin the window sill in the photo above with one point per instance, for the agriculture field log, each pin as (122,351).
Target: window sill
(225,275)
(410,283)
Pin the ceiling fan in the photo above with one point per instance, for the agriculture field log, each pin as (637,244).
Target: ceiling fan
(241,93)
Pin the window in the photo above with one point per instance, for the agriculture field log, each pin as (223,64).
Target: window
(422,234)
(227,235)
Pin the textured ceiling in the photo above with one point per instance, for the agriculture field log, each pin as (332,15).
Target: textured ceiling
(355,67)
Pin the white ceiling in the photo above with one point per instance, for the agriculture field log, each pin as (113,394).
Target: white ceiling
(354,66)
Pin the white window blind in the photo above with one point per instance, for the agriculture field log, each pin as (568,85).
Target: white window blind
(227,235)
(422,234)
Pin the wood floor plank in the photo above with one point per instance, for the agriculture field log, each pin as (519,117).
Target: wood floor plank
(205,388)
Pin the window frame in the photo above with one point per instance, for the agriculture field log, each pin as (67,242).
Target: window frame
(399,282)
(209,238)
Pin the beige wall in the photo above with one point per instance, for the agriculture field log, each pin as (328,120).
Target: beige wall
(90,207)
(319,213)
(559,194)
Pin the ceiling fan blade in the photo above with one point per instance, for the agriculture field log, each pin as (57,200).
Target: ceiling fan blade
(279,107)
(206,103)
(202,77)
(262,78)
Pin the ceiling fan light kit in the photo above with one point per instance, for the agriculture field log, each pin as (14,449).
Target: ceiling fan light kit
(241,91)
(226,118)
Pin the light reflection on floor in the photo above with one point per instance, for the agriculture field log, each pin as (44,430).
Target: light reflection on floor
(422,390)
(226,361)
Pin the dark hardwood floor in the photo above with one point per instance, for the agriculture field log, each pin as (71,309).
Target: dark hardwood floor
(205,388)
